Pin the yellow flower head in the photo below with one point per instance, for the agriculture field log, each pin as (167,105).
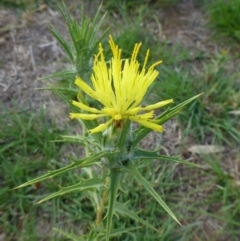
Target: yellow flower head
(120,87)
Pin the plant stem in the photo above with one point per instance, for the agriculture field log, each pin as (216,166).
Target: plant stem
(113,190)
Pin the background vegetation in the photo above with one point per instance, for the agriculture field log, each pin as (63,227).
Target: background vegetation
(205,200)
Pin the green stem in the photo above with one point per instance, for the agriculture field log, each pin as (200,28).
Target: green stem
(95,198)
(113,190)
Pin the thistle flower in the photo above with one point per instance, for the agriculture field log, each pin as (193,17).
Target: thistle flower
(119,85)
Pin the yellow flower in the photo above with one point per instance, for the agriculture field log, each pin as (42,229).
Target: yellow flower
(119,86)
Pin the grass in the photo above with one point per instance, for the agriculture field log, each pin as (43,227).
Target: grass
(224,17)
(125,8)
(210,114)
(27,4)
(199,197)
(27,151)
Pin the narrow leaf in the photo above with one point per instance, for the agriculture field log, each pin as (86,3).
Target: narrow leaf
(142,154)
(60,74)
(63,43)
(89,124)
(140,179)
(141,132)
(89,184)
(81,140)
(85,162)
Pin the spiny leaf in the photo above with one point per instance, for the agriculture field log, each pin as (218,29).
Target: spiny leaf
(141,132)
(175,110)
(140,154)
(83,185)
(81,140)
(60,74)
(140,179)
(84,38)
(63,43)
(89,124)
(85,162)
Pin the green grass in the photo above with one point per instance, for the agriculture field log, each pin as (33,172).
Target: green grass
(27,4)
(224,17)
(208,115)
(126,8)
(195,195)
(26,150)
(13,3)
(168,53)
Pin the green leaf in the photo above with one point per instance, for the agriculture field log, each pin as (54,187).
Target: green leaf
(84,38)
(89,124)
(63,43)
(167,115)
(85,162)
(141,132)
(84,185)
(81,140)
(140,154)
(123,210)
(60,74)
(140,179)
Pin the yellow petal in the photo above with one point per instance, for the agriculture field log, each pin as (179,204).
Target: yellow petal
(146,59)
(144,116)
(150,125)
(87,89)
(85,107)
(120,85)
(158,105)
(155,64)
(101,127)
(86,116)
(133,111)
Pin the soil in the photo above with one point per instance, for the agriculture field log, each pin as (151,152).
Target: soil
(28,52)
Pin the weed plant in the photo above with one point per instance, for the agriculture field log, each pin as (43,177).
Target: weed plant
(26,150)
(116,89)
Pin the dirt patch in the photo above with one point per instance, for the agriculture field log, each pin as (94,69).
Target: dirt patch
(29,52)
(185,23)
